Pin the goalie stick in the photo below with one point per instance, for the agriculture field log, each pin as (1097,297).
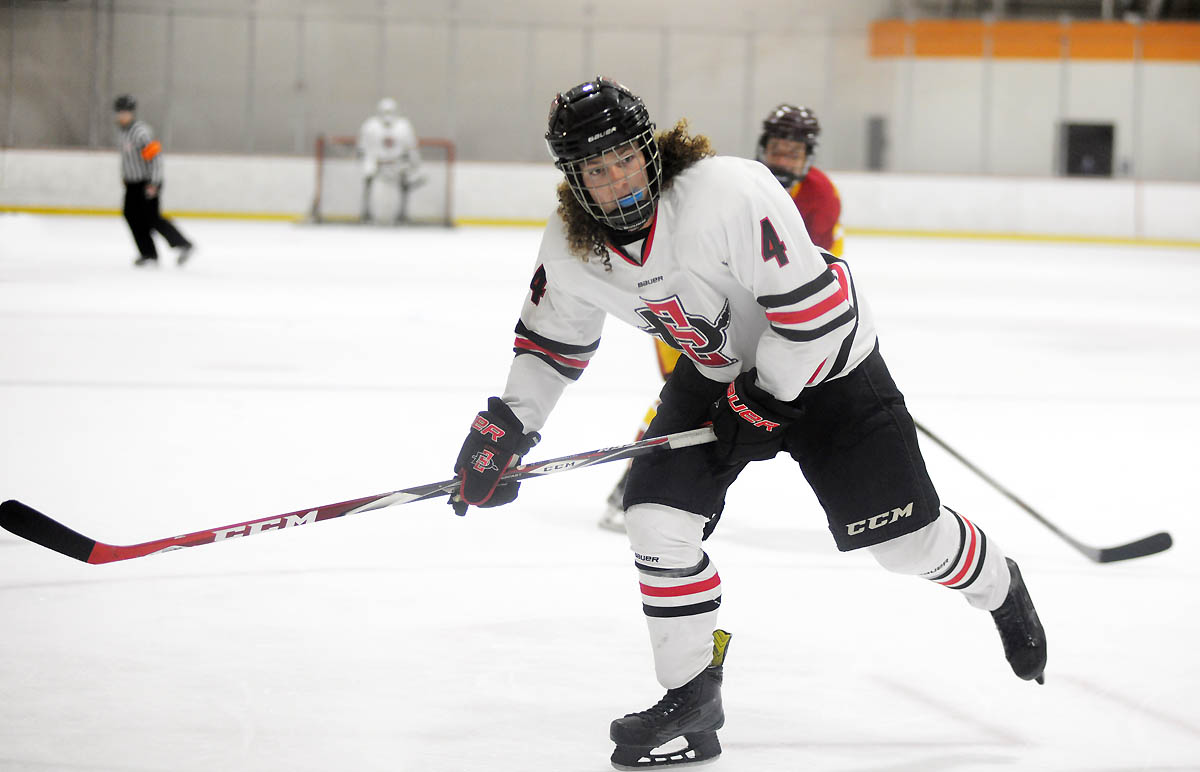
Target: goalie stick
(1149,545)
(28,523)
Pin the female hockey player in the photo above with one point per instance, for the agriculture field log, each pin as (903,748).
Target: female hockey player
(787,146)
(710,255)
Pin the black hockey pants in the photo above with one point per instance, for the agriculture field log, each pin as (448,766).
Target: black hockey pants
(855,443)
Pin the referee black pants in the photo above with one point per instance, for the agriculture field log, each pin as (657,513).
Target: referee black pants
(144,218)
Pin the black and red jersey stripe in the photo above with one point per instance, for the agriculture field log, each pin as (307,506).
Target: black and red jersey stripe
(814,310)
(567,359)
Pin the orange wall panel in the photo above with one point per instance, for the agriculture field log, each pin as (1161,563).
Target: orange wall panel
(888,38)
(1115,40)
(948,38)
(1101,40)
(1177,42)
(1027,39)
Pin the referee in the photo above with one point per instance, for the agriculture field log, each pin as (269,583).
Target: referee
(141,169)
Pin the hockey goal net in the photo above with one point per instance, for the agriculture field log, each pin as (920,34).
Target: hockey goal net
(338,192)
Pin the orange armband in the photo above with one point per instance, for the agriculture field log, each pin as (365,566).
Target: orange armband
(150,151)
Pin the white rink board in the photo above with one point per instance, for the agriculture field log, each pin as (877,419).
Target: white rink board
(525,192)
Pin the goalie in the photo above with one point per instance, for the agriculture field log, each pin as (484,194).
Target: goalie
(387,146)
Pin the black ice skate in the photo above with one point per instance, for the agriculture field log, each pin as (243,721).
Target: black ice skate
(1021,631)
(692,711)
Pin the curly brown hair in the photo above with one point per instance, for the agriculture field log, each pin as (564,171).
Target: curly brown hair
(585,235)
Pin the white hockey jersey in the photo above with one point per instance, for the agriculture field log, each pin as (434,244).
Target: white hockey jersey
(727,275)
(391,141)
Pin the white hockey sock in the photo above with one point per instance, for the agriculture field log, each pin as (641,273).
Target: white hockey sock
(953,552)
(680,587)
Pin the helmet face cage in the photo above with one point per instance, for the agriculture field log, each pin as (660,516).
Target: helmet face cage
(798,124)
(634,205)
(588,124)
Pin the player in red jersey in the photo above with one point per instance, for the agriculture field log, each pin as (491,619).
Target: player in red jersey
(786,146)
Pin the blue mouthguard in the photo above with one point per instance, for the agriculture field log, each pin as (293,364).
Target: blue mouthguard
(636,197)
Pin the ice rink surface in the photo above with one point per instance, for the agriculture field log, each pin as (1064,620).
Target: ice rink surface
(291,366)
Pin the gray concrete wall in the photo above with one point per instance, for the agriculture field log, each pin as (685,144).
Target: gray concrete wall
(268,76)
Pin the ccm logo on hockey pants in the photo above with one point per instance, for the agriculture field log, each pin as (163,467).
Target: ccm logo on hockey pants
(878,521)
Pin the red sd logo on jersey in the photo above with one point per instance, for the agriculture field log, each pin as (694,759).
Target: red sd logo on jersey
(694,335)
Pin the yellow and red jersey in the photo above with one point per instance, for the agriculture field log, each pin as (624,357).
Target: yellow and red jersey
(817,200)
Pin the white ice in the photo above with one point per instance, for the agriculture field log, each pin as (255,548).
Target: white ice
(290,366)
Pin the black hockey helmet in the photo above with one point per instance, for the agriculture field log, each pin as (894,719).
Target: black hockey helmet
(591,119)
(124,102)
(799,124)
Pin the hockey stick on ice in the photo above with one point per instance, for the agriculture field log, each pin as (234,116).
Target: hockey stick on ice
(30,524)
(1150,545)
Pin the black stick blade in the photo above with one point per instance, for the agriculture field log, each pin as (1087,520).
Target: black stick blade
(30,524)
(1150,545)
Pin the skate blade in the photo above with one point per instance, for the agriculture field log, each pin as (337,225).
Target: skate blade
(697,750)
(683,762)
(660,765)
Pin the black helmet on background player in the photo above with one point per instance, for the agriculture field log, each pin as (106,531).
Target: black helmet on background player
(124,102)
(595,117)
(798,124)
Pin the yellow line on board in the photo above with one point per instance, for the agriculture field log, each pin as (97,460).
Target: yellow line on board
(501,222)
(239,216)
(59,210)
(89,212)
(534,223)
(1045,237)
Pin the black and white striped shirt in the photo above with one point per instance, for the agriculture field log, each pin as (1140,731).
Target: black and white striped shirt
(141,154)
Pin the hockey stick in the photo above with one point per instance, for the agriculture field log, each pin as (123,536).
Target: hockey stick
(38,528)
(1150,545)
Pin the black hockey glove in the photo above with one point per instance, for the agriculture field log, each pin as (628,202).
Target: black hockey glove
(750,423)
(497,441)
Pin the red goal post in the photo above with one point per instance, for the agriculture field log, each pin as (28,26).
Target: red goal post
(338,189)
